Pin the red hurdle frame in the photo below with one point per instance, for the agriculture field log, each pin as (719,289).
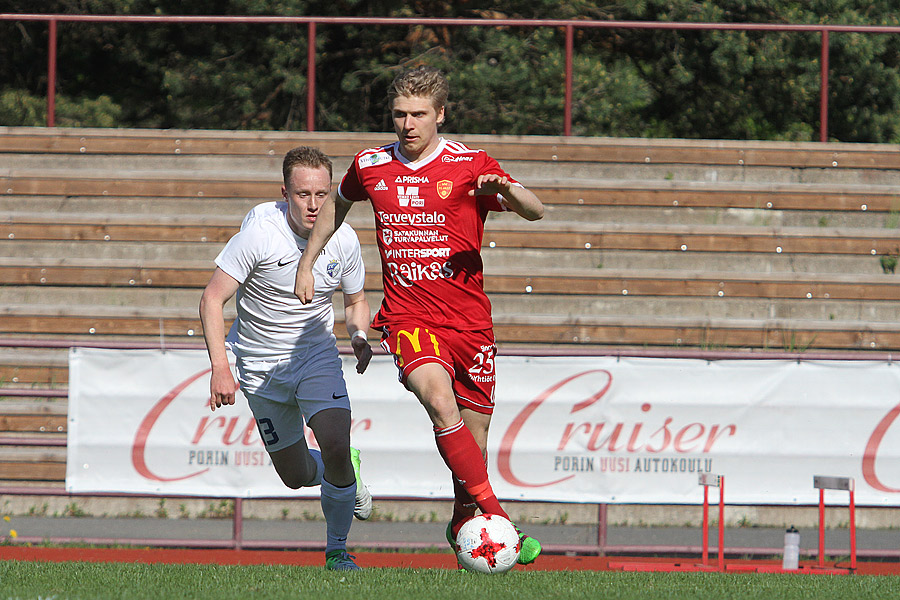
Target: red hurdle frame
(707,480)
(822,483)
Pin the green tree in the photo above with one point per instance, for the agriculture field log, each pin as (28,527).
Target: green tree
(752,85)
(505,79)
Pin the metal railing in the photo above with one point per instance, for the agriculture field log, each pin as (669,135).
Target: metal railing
(236,540)
(569,26)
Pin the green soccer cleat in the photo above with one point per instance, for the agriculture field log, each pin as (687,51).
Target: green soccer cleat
(453,546)
(363,507)
(339,560)
(530,549)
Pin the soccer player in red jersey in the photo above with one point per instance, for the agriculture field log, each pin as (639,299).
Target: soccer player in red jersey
(431,196)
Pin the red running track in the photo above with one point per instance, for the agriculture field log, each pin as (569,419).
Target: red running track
(364,559)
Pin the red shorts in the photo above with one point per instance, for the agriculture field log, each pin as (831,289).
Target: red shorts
(468,356)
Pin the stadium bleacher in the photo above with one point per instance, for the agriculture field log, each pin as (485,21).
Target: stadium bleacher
(109,236)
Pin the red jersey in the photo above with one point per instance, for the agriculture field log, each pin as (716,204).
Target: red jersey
(429,232)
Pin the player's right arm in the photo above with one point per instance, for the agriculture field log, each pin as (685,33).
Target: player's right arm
(219,290)
(330,217)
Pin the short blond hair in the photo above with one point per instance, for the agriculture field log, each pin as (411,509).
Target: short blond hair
(304,156)
(423,82)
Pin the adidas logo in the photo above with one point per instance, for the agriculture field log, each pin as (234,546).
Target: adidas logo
(381,187)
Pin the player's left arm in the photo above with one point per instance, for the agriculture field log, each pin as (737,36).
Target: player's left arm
(520,199)
(356,317)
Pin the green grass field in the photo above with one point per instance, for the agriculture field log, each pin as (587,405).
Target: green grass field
(59,581)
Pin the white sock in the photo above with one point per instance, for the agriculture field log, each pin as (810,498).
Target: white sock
(337,506)
(320,468)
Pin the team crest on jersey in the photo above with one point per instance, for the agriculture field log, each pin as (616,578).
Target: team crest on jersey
(371,160)
(332,268)
(444,187)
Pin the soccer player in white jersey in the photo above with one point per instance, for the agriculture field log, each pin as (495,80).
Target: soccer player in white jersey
(431,196)
(287,358)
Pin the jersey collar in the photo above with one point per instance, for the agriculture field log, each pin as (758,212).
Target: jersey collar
(422,161)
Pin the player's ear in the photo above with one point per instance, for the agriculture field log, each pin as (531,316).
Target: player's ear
(440,116)
(284,193)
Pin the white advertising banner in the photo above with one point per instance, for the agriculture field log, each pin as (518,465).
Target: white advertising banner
(577,429)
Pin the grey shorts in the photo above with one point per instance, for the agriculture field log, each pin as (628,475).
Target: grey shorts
(282,393)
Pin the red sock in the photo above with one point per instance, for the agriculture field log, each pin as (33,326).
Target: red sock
(464,507)
(463,456)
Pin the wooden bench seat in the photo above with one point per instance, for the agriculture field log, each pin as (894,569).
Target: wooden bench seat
(32,418)
(600,192)
(711,334)
(746,196)
(535,148)
(13,374)
(32,440)
(562,282)
(205,180)
(597,236)
(32,464)
(116,323)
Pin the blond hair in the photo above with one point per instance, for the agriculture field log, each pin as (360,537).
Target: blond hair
(422,81)
(304,156)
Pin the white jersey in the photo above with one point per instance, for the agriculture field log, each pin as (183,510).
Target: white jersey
(271,322)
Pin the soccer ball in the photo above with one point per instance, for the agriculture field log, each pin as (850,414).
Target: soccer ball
(488,544)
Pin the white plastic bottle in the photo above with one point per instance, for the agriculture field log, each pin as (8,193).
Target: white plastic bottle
(791,558)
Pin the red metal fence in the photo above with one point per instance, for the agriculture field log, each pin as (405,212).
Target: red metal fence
(569,26)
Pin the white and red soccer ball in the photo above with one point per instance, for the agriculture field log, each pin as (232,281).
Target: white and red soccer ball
(488,544)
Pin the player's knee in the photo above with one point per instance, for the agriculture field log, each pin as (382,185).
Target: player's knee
(297,479)
(443,405)
(297,483)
